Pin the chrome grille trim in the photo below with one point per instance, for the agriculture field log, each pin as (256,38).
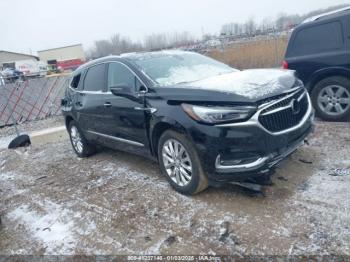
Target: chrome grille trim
(285,114)
(284,107)
(254,120)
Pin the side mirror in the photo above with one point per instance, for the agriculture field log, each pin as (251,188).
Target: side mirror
(121,90)
(143,90)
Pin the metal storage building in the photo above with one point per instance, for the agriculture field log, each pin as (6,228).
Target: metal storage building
(66,57)
(7,57)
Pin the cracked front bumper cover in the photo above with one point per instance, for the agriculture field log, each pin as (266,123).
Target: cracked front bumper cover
(260,164)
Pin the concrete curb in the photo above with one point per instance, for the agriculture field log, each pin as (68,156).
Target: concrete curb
(50,135)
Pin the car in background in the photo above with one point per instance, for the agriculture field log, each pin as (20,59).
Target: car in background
(2,80)
(32,68)
(319,50)
(205,122)
(10,75)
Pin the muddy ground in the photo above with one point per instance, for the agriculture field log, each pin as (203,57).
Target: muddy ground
(117,203)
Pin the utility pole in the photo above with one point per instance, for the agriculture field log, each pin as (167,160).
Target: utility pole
(276,46)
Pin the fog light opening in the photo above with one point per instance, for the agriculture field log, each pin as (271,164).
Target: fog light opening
(235,162)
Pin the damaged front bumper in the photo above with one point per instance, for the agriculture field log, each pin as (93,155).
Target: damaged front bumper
(262,164)
(240,151)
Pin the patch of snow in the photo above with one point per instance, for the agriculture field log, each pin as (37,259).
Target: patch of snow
(282,231)
(49,226)
(180,74)
(8,176)
(5,141)
(249,83)
(9,186)
(327,199)
(333,190)
(124,171)
(154,249)
(86,230)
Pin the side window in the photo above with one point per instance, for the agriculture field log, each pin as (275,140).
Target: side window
(317,39)
(95,78)
(347,31)
(119,74)
(75,81)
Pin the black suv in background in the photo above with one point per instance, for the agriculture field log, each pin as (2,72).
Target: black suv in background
(319,50)
(203,121)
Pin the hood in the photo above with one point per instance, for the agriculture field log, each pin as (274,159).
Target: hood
(254,84)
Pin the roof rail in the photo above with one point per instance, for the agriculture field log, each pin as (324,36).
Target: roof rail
(316,17)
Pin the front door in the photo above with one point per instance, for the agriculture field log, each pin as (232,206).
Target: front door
(124,115)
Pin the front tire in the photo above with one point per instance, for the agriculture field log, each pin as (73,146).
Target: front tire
(331,98)
(180,163)
(79,143)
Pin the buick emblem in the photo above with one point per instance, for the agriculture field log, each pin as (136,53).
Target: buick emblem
(295,105)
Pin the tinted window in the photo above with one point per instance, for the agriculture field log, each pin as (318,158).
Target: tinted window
(119,74)
(347,30)
(318,39)
(75,81)
(95,78)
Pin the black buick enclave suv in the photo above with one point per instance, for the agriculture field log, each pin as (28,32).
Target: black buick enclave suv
(203,121)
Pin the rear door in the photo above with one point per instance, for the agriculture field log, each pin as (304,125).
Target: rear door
(346,23)
(89,103)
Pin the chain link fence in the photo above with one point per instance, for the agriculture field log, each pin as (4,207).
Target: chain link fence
(31,99)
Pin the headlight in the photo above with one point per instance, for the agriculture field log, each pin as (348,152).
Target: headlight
(215,115)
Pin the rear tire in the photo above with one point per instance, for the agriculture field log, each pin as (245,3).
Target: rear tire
(79,143)
(331,98)
(180,163)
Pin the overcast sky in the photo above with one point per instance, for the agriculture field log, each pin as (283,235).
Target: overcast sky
(32,25)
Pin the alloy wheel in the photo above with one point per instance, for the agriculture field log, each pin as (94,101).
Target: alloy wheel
(334,100)
(76,139)
(177,162)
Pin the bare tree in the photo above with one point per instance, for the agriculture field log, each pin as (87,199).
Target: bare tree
(118,44)
(250,27)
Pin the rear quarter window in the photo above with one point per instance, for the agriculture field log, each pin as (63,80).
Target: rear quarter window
(75,81)
(347,31)
(316,39)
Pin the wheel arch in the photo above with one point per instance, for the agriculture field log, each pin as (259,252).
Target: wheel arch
(325,73)
(159,128)
(68,119)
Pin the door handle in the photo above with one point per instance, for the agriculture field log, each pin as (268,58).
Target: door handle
(151,110)
(107,104)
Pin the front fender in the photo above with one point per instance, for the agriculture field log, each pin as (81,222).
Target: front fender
(170,117)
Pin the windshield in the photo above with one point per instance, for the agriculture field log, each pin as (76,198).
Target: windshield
(170,68)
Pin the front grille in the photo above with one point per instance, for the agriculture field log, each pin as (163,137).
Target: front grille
(281,115)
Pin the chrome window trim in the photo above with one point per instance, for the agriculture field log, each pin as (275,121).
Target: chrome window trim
(108,92)
(134,143)
(254,120)
(89,92)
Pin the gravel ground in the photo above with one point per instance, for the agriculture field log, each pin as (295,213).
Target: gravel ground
(117,203)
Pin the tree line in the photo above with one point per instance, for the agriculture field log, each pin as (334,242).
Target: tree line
(267,25)
(118,44)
